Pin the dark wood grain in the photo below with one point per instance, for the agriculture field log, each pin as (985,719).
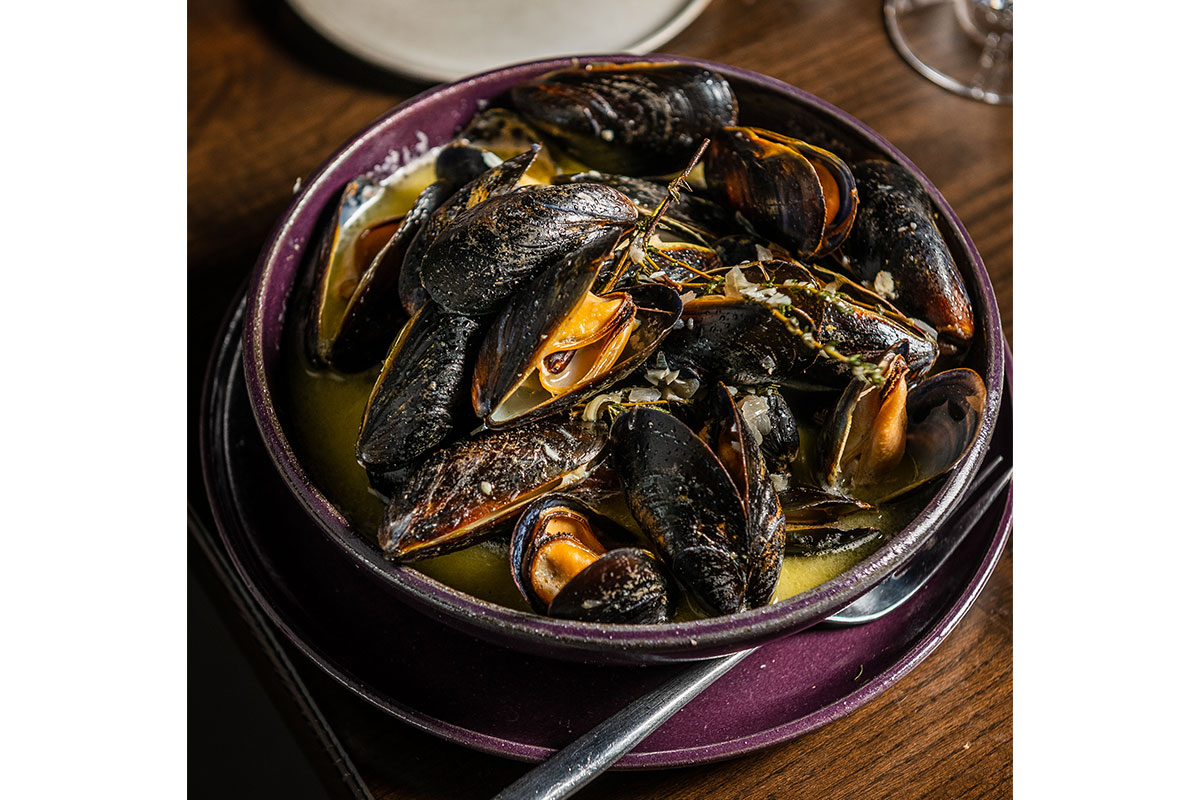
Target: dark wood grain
(268,101)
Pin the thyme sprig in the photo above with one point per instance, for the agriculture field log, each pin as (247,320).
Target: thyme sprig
(644,228)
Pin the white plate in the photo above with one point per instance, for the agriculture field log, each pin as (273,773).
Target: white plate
(442,40)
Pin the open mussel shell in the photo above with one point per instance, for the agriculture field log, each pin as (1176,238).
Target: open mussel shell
(756,334)
(864,440)
(565,565)
(353,315)
(792,192)
(710,512)
(497,180)
(944,416)
(491,250)
(884,441)
(558,343)
(452,499)
(630,119)
(809,506)
(422,389)
(896,234)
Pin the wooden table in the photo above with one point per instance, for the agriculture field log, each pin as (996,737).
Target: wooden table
(269,100)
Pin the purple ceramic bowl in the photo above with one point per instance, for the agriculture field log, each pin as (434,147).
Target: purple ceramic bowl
(432,118)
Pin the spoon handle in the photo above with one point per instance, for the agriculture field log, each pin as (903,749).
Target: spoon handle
(578,763)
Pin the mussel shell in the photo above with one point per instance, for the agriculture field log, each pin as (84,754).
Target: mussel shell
(375,312)
(896,232)
(498,180)
(450,500)
(514,339)
(462,162)
(631,119)
(687,215)
(774,182)
(739,248)
(945,413)
(685,501)
(338,334)
(492,250)
(680,261)
(625,584)
(811,506)
(853,420)
(741,341)
(422,389)
(771,417)
(736,341)
(761,541)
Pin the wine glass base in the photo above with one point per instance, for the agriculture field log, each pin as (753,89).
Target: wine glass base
(931,37)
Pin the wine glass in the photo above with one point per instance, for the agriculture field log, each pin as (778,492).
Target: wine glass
(961,45)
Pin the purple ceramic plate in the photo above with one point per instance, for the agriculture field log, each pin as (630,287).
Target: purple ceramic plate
(431,118)
(501,701)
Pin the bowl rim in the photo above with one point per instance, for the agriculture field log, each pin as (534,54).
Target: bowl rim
(703,636)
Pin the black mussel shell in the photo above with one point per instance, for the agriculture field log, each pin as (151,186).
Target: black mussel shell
(625,584)
(721,539)
(452,498)
(687,215)
(422,391)
(494,248)
(462,162)
(896,233)
(812,506)
(505,133)
(498,180)
(630,119)
(770,417)
(802,196)
(728,435)
(741,340)
(864,438)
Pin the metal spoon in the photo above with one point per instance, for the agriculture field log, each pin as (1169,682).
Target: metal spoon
(577,764)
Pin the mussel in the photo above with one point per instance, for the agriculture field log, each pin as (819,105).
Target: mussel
(557,343)
(882,441)
(778,330)
(687,216)
(452,499)
(354,312)
(566,566)
(422,389)
(792,192)
(632,119)
(497,180)
(490,251)
(705,501)
(896,245)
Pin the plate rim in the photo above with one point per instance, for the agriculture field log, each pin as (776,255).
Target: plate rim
(397,63)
